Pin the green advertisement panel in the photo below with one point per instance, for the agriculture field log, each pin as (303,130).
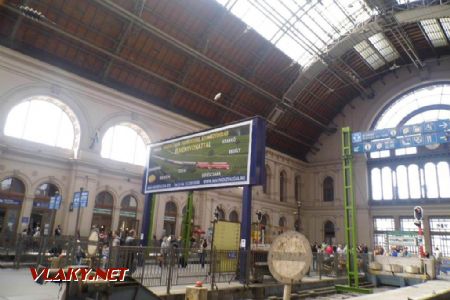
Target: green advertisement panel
(213,158)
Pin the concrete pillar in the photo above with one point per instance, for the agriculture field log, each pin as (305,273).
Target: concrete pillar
(196,293)
(25,211)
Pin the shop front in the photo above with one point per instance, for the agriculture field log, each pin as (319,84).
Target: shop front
(12,194)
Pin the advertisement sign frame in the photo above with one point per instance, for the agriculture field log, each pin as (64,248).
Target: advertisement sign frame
(255,161)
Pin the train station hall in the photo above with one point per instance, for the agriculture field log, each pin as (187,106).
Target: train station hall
(257,149)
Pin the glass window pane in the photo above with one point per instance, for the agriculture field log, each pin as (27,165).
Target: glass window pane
(43,120)
(383,224)
(440,224)
(444,179)
(387,183)
(124,143)
(376,184)
(402,182)
(407,224)
(431,180)
(414,181)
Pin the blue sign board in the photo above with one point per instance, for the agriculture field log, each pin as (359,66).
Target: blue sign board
(401,142)
(427,127)
(80,200)
(10,201)
(55,202)
(427,133)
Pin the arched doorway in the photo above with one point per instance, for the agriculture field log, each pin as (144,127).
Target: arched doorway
(329,233)
(282,225)
(234,217)
(128,214)
(170,218)
(41,215)
(12,193)
(102,217)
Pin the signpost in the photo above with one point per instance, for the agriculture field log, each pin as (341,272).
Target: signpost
(228,156)
(416,135)
(429,133)
(289,259)
(80,199)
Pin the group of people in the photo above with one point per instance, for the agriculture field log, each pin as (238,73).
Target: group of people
(332,249)
(168,243)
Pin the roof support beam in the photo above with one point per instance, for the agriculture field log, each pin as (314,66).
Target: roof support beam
(138,8)
(55,28)
(201,57)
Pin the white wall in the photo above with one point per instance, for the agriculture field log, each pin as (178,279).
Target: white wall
(360,116)
(97,108)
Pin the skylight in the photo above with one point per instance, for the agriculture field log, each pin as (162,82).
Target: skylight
(434,32)
(445,22)
(383,46)
(369,54)
(302,29)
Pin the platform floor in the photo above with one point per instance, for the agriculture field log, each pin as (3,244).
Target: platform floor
(421,291)
(18,285)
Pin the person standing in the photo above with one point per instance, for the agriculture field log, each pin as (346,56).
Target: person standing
(438,260)
(202,252)
(58,230)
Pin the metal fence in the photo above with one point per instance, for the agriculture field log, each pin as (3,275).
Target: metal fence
(159,266)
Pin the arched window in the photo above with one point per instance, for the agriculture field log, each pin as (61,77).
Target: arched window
(266,186)
(234,217)
(220,214)
(265,219)
(41,215)
(44,120)
(12,193)
(128,213)
(125,142)
(412,178)
(102,218)
(170,218)
(329,233)
(328,189)
(12,186)
(283,186)
(297,189)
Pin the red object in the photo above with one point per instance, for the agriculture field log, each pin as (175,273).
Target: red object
(329,249)
(198,284)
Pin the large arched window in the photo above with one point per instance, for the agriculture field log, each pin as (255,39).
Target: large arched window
(283,186)
(125,142)
(409,177)
(328,189)
(44,120)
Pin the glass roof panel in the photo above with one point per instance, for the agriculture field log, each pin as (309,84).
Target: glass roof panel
(434,32)
(380,42)
(303,29)
(445,22)
(369,54)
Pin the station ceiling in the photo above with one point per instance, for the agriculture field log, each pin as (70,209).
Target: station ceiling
(199,59)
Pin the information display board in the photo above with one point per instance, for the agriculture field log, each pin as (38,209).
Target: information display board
(218,157)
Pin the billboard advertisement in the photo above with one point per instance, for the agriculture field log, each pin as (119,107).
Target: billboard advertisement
(213,158)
